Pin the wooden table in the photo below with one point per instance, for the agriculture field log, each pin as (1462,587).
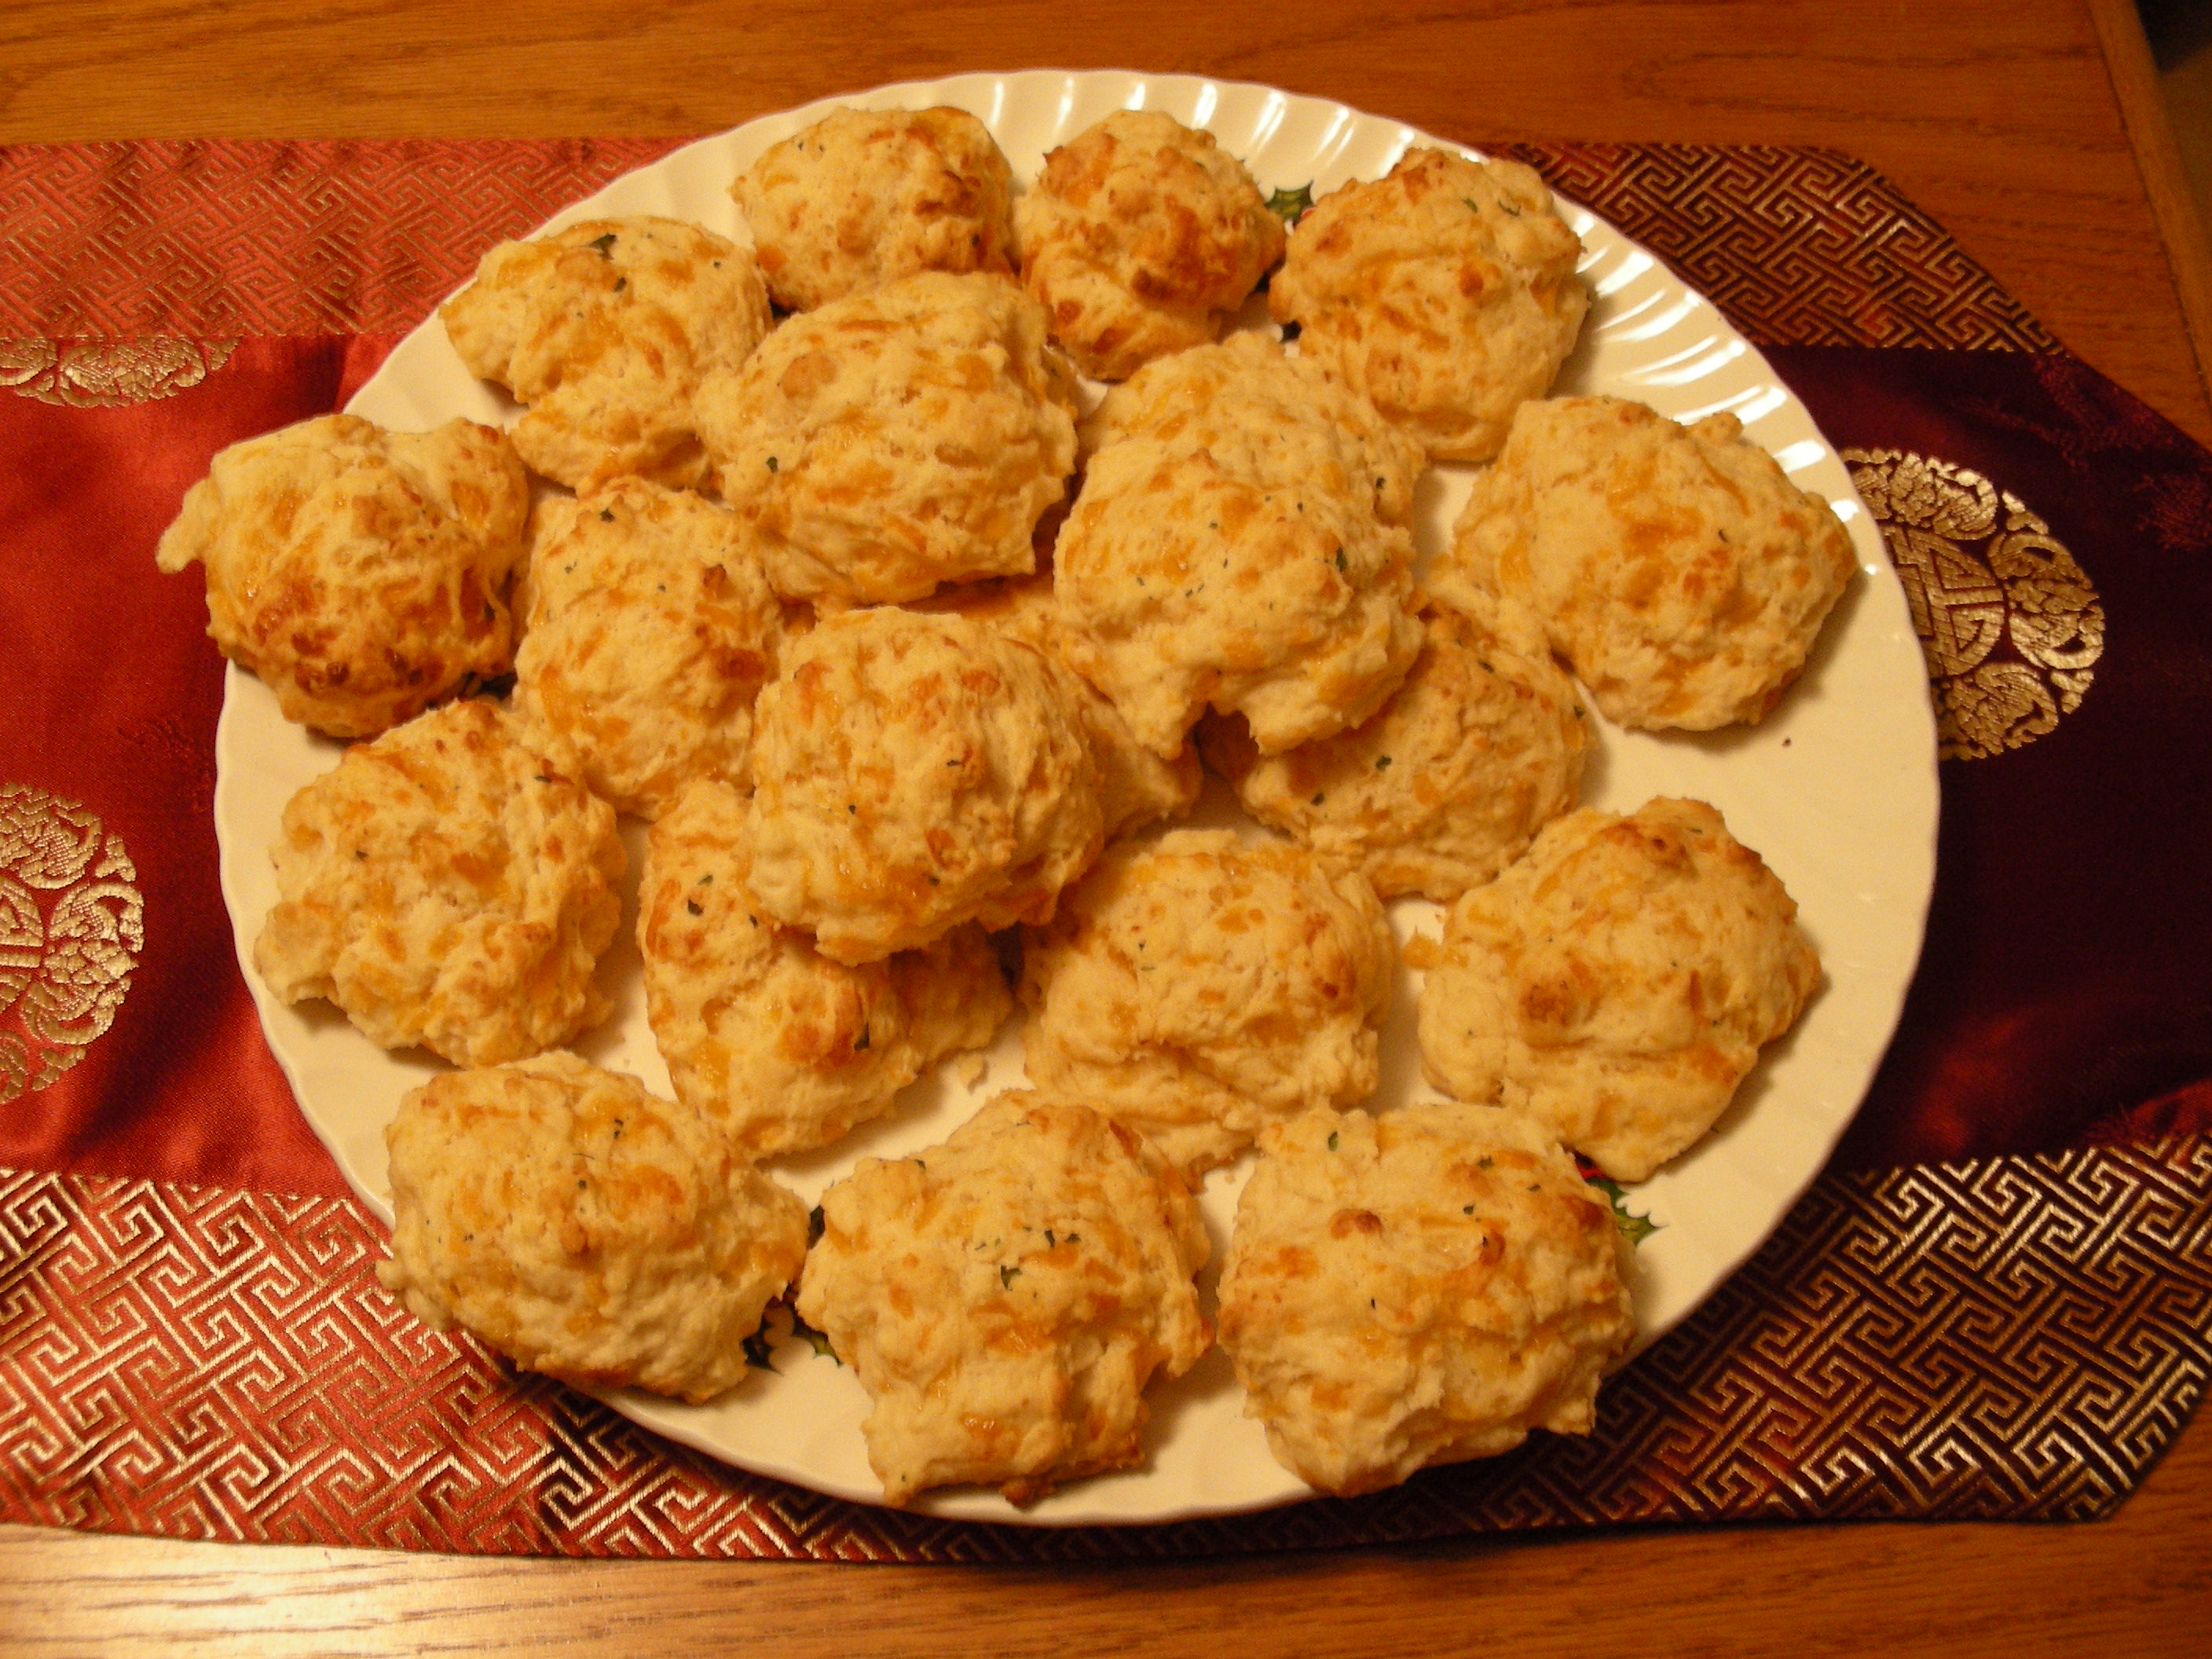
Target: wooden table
(2010,120)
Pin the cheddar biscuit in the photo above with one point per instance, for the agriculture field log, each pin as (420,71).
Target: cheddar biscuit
(1141,238)
(1423,1286)
(361,574)
(866,196)
(1006,1296)
(1254,406)
(912,773)
(563,1216)
(1445,292)
(1135,785)
(648,632)
(1618,982)
(445,886)
(1676,569)
(901,437)
(1188,578)
(1450,781)
(783,1047)
(605,330)
(1201,987)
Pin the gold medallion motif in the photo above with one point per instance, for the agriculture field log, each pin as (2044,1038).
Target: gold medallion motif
(108,374)
(72,923)
(2009,622)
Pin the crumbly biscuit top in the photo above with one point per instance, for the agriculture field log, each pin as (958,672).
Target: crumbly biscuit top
(648,631)
(1447,784)
(866,196)
(1256,408)
(1186,579)
(605,330)
(1201,985)
(1006,1296)
(445,886)
(1420,1287)
(584,1229)
(1446,291)
(361,574)
(1139,238)
(783,1047)
(1676,569)
(1135,787)
(1618,982)
(905,436)
(913,772)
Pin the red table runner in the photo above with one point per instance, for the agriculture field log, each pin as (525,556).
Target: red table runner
(1998,1302)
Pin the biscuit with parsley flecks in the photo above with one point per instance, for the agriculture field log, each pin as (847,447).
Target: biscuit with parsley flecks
(1006,1298)
(1422,1286)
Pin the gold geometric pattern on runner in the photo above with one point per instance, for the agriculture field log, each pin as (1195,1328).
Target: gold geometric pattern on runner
(212,238)
(2015,1337)
(72,923)
(1797,246)
(2010,624)
(108,374)
(218,238)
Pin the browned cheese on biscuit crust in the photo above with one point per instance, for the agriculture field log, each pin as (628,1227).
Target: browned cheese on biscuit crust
(445,886)
(1141,238)
(361,574)
(913,773)
(1201,987)
(1618,982)
(1420,1287)
(565,1216)
(1445,292)
(605,330)
(866,196)
(1006,1296)
(764,1035)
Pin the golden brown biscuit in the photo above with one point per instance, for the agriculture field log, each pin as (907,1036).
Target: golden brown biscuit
(565,1216)
(1141,238)
(1006,1296)
(905,436)
(764,1035)
(866,196)
(361,574)
(648,632)
(1618,982)
(1447,784)
(1266,414)
(912,773)
(1201,987)
(1421,1287)
(1135,787)
(1676,569)
(1445,292)
(445,886)
(605,330)
(1187,577)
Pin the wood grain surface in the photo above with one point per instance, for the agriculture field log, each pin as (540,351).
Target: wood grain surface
(1997,116)
(2136,1586)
